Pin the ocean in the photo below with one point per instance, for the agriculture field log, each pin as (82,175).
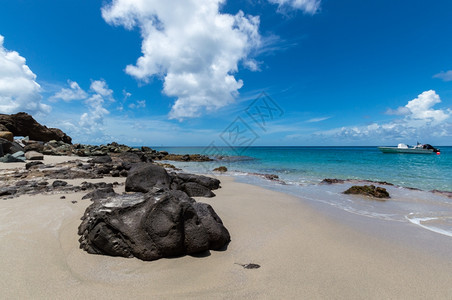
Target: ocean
(301,170)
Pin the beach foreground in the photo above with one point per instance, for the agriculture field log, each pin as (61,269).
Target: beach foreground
(303,254)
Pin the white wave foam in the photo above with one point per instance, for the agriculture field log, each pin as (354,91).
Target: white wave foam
(417,221)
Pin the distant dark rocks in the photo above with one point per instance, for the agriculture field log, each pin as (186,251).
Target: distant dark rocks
(368,190)
(221,169)
(168,166)
(184,157)
(443,193)
(332,181)
(339,181)
(272,177)
(160,223)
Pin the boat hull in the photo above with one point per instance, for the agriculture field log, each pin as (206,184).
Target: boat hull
(406,150)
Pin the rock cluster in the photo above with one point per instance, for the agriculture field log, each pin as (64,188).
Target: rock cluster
(52,141)
(22,124)
(158,220)
(368,190)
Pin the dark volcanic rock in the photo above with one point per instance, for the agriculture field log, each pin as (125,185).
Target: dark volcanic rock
(104,159)
(332,181)
(22,124)
(33,163)
(368,190)
(58,183)
(5,191)
(162,223)
(194,189)
(129,157)
(142,177)
(208,182)
(100,193)
(34,146)
(7,147)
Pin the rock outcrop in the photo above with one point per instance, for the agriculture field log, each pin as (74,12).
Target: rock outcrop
(22,124)
(161,223)
(368,190)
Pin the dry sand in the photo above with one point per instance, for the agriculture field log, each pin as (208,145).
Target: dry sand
(303,255)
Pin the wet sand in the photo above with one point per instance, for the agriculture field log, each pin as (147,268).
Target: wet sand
(303,253)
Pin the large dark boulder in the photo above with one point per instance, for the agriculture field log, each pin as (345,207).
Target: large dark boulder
(208,182)
(161,223)
(22,124)
(142,177)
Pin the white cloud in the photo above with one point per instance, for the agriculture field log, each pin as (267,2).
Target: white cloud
(420,120)
(192,46)
(19,90)
(100,87)
(307,6)
(138,104)
(72,93)
(420,110)
(315,120)
(446,76)
(92,121)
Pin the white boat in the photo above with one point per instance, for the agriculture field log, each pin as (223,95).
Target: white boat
(418,149)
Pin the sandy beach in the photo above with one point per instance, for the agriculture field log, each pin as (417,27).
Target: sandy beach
(302,252)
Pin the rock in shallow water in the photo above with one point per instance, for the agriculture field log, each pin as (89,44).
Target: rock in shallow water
(368,190)
(161,223)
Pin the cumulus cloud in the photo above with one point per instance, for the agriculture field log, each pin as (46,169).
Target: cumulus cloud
(193,47)
(93,120)
(74,92)
(100,87)
(420,120)
(307,6)
(446,76)
(95,101)
(19,90)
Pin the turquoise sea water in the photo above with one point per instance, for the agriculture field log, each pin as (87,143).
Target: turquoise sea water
(304,165)
(301,169)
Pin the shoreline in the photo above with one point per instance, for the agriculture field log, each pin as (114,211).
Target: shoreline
(301,251)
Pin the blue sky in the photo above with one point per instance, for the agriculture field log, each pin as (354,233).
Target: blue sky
(177,73)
